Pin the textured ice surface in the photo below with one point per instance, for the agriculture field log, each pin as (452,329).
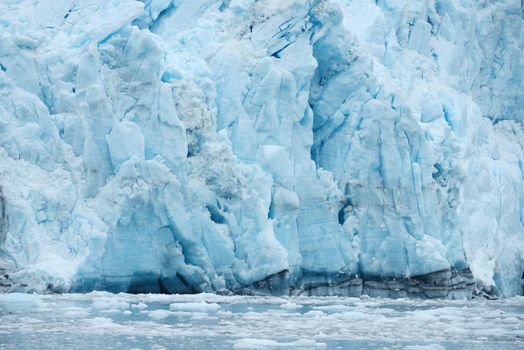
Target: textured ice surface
(261,146)
(103,320)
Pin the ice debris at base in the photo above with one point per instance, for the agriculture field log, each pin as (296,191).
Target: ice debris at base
(249,343)
(324,147)
(66,321)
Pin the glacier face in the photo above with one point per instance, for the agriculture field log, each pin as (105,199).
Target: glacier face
(189,146)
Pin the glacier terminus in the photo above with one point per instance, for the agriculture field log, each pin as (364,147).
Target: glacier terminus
(283,147)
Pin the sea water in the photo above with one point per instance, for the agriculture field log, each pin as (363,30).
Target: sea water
(102,320)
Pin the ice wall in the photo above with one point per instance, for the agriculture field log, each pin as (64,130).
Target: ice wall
(318,147)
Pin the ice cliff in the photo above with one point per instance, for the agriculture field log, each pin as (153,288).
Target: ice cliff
(310,147)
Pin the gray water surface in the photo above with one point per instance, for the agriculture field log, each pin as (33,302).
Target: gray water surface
(206,321)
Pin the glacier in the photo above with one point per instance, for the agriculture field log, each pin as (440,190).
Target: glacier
(320,147)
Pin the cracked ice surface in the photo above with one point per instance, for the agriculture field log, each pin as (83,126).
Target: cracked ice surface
(188,146)
(196,321)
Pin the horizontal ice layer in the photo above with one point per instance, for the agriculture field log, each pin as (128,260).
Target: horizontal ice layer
(324,147)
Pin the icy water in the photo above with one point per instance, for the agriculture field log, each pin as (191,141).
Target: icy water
(123,321)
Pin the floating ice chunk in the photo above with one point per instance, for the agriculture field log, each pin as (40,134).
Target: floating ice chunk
(20,302)
(76,313)
(315,313)
(139,306)
(195,307)
(159,314)
(334,308)
(250,343)
(425,347)
(290,306)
